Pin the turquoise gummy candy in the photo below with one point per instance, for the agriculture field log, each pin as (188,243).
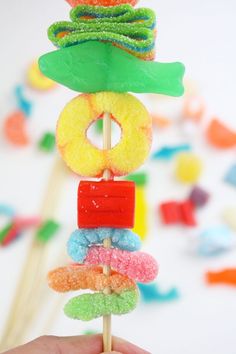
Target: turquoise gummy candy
(80,240)
(151,293)
(96,67)
(86,307)
(168,152)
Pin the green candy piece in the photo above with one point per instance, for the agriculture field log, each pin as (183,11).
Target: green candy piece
(130,29)
(95,67)
(47,142)
(47,231)
(4,231)
(89,306)
(140,178)
(99,126)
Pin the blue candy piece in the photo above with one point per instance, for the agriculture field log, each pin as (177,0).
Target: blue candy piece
(231,176)
(151,293)
(214,241)
(81,239)
(23,104)
(7,210)
(168,152)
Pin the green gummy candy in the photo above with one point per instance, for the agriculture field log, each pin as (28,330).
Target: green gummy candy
(89,306)
(140,178)
(4,231)
(47,142)
(129,28)
(47,230)
(94,67)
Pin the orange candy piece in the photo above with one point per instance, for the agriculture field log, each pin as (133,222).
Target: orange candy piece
(81,277)
(220,136)
(74,3)
(226,276)
(15,129)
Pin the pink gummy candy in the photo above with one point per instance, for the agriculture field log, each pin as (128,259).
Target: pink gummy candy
(138,266)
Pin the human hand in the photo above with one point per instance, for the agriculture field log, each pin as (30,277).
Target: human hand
(75,345)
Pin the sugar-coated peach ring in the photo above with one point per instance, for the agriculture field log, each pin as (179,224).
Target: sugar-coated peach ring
(87,160)
(81,277)
(101,2)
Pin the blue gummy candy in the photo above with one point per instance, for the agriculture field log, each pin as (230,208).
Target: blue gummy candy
(151,293)
(23,104)
(231,176)
(81,239)
(215,240)
(7,210)
(168,152)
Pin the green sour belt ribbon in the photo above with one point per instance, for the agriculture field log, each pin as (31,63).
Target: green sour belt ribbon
(95,67)
(129,29)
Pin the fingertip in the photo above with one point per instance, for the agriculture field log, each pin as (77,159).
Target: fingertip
(124,347)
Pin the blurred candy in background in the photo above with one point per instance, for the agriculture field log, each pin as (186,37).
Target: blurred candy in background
(186,191)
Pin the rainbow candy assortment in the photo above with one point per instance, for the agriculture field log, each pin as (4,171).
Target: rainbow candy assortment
(106,51)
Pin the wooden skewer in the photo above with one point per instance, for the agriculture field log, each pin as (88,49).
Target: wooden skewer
(107,337)
(31,272)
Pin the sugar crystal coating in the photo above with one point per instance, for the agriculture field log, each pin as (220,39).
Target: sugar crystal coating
(89,306)
(129,29)
(79,277)
(138,266)
(81,239)
(101,2)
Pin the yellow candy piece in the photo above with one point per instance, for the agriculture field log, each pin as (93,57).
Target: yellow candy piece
(229,216)
(188,168)
(141,212)
(82,156)
(37,80)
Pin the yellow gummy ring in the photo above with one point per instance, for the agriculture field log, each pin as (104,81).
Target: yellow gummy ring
(37,80)
(86,159)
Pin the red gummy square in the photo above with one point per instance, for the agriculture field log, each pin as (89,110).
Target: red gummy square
(170,212)
(106,204)
(188,213)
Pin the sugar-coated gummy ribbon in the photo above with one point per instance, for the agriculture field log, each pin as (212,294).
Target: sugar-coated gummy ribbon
(89,306)
(138,266)
(128,28)
(111,69)
(81,277)
(81,239)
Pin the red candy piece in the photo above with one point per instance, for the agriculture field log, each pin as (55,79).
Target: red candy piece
(170,212)
(106,204)
(101,2)
(187,213)
(178,213)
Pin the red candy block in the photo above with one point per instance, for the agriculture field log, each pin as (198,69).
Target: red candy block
(170,212)
(106,204)
(173,212)
(187,213)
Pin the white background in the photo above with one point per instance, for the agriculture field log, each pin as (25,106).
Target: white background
(201,34)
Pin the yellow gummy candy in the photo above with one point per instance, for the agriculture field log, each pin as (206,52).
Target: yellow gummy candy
(188,168)
(141,210)
(37,80)
(229,216)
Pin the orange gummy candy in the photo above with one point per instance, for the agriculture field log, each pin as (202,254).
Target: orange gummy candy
(160,121)
(220,136)
(225,276)
(15,129)
(101,2)
(81,277)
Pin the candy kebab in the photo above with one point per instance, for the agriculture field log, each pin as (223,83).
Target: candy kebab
(104,52)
